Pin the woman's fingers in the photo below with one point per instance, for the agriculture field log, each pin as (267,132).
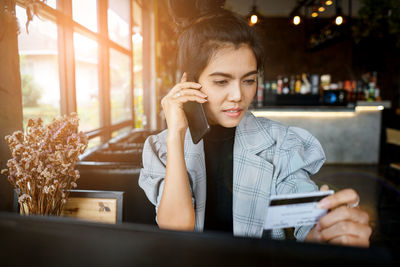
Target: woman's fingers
(180,88)
(185,92)
(185,85)
(342,197)
(184,77)
(346,228)
(324,188)
(349,241)
(343,213)
(342,225)
(187,98)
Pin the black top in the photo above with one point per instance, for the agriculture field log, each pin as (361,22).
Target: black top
(218,149)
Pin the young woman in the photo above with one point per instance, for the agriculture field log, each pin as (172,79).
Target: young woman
(224,182)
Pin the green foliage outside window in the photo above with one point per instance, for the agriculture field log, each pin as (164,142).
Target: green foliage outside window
(31,92)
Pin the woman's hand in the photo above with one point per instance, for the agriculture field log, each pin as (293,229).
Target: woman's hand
(343,224)
(176,209)
(172,104)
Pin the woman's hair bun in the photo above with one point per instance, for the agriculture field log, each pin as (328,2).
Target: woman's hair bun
(185,12)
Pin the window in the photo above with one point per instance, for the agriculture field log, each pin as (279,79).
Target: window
(137,40)
(79,58)
(85,13)
(120,87)
(86,82)
(118,22)
(52,3)
(39,69)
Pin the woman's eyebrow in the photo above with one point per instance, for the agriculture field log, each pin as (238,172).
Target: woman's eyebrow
(227,75)
(250,73)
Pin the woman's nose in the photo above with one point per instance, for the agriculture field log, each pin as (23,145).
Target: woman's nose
(235,93)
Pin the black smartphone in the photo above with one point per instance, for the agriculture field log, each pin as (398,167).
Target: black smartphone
(196,117)
(197,120)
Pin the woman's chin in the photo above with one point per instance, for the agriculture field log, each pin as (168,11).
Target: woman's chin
(228,122)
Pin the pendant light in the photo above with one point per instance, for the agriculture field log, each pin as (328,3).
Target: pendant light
(254,16)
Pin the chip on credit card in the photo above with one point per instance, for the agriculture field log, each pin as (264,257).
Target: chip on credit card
(293,210)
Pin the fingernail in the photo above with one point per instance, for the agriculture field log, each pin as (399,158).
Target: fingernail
(324,187)
(323,204)
(198,85)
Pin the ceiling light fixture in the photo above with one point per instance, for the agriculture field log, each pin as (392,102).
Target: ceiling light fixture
(296,20)
(339,20)
(254,16)
(253,19)
(321,7)
(314,13)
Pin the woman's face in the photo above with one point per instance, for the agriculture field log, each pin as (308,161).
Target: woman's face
(230,82)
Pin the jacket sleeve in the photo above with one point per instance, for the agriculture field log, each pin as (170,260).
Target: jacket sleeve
(152,175)
(301,155)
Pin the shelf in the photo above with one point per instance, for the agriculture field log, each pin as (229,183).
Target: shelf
(349,108)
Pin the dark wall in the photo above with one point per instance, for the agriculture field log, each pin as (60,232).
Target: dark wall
(287,54)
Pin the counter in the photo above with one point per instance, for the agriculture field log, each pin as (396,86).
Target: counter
(54,241)
(349,134)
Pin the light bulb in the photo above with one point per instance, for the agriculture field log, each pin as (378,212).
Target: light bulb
(296,20)
(253,19)
(339,20)
(314,13)
(321,9)
(328,2)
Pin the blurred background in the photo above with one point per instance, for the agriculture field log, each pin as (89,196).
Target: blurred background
(331,67)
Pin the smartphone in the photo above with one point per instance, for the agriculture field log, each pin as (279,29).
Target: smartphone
(197,120)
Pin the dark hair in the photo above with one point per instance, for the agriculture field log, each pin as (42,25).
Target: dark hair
(206,27)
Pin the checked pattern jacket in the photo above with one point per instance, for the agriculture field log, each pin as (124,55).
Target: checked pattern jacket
(269,158)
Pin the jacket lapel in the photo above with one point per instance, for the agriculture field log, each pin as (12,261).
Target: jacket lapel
(252,177)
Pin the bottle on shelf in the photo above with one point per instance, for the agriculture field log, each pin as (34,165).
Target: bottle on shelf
(297,85)
(267,91)
(285,88)
(315,84)
(305,86)
(292,84)
(260,93)
(274,87)
(279,85)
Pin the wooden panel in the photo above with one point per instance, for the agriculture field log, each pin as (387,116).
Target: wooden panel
(393,136)
(395,166)
(93,209)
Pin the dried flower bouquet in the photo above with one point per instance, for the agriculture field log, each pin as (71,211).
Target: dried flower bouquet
(43,161)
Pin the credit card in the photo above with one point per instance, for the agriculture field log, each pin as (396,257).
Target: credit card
(292,210)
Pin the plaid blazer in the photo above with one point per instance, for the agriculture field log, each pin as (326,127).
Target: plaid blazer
(269,158)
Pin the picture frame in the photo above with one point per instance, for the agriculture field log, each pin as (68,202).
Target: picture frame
(92,205)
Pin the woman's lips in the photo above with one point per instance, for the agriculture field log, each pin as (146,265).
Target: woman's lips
(233,113)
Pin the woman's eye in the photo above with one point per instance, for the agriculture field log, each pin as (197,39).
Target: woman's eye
(249,81)
(221,82)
